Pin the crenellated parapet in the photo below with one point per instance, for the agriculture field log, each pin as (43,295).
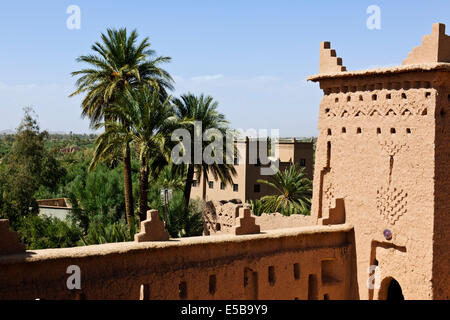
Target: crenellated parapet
(245,223)
(435,47)
(329,62)
(152,229)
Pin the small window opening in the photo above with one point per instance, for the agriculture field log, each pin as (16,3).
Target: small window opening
(182,290)
(271,275)
(296,271)
(212,284)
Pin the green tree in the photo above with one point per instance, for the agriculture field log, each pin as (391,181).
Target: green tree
(45,232)
(146,122)
(172,177)
(96,197)
(117,62)
(293,192)
(181,222)
(25,169)
(204,109)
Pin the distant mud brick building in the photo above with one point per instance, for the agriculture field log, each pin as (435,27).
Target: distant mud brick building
(384,148)
(55,208)
(245,184)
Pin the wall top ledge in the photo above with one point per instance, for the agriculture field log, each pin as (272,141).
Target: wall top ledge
(126,247)
(383,71)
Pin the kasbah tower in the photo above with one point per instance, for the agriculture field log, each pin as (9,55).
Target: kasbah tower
(383,166)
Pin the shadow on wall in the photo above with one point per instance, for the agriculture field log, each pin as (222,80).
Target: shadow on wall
(390,289)
(374,261)
(354,287)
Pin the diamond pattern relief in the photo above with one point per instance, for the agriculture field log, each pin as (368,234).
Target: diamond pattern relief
(391,203)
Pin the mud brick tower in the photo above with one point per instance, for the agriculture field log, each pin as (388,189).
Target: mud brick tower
(383,154)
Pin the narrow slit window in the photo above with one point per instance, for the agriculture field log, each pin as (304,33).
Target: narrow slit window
(182,290)
(296,271)
(271,275)
(212,284)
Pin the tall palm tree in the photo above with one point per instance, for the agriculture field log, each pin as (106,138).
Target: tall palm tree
(172,177)
(119,61)
(146,122)
(294,191)
(204,109)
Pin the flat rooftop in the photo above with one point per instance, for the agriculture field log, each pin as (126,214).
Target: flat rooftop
(383,71)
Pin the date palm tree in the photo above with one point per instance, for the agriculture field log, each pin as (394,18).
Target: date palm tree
(117,62)
(204,109)
(147,122)
(172,177)
(293,192)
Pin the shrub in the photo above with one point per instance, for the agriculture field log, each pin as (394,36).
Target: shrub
(38,232)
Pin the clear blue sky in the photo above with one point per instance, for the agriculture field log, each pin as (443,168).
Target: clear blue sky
(252,56)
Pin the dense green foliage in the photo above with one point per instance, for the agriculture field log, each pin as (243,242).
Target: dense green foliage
(24,169)
(98,208)
(45,232)
(293,192)
(256,206)
(129,163)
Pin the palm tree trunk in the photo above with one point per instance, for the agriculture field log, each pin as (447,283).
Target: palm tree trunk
(204,186)
(143,190)
(188,185)
(128,186)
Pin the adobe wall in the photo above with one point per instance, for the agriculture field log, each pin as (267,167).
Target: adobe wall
(441,235)
(294,151)
(375,150)
(228,193)
(305,150)
(383,149)
(221,217)
(297,263)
